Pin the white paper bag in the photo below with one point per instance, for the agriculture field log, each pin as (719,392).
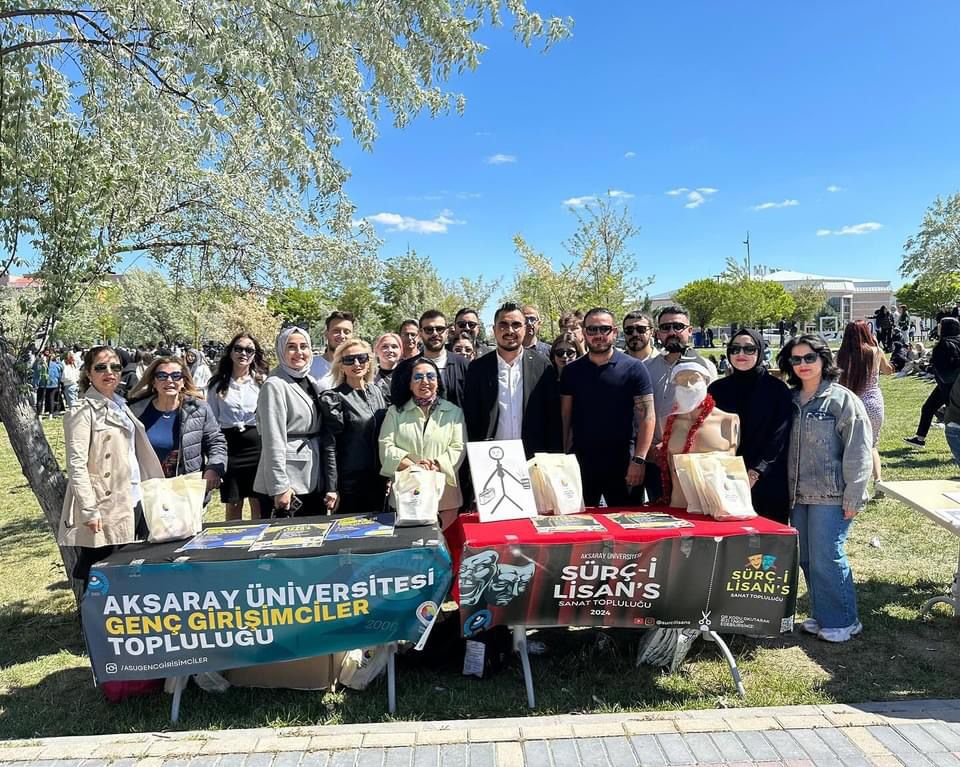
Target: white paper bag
(415,495)
(556,477)
(173,507)
(715,484)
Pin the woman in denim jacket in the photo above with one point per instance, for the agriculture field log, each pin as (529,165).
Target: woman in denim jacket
(829,464)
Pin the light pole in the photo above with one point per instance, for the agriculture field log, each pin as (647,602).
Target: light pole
(747,243)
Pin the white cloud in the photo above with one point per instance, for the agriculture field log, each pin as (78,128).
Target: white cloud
(695,200)
(695,197)
(865,228)
(835,188)
(579,202)
(398,223)
(707,190)
(619,194)
(630,155)
(768,205)
(677,192)
(501,159)
(469,195)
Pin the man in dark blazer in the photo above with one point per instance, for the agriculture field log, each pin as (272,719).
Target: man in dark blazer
(453,367)
(513,393)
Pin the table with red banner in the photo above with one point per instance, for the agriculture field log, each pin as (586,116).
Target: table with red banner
(730,577)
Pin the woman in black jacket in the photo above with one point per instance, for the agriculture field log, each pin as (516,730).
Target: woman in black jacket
(945,363)
(355,408)
(764,406)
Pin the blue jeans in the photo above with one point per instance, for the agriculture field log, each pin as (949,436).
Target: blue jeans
(952,431)
(823,559)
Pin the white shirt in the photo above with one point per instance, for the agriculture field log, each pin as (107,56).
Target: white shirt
(319,367)
(509,398)
(238,407)
(440,361)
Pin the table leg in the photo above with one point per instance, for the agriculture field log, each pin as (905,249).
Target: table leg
(520,646)
(953,600)
(179,685)
(391,678)
(713,636)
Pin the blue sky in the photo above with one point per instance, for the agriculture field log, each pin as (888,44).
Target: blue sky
(843,115)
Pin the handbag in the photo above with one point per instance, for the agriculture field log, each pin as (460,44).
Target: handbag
(173,506)
(556,482)
(415,495)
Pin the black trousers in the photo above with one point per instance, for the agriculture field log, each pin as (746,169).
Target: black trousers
(928,410)
(608,480)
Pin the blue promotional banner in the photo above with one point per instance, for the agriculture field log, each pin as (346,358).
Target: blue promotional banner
(144,621)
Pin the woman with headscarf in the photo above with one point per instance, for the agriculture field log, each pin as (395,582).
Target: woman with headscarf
(764,405)
(298,462)
(945,364)
(199,370)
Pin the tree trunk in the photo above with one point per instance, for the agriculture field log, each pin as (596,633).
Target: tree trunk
(37,461)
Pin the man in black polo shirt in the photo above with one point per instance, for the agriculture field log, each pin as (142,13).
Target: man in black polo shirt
(599,395)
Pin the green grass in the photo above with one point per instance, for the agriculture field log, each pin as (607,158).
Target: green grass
(46,686)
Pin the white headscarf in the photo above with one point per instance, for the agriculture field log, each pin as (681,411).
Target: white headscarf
(281,349)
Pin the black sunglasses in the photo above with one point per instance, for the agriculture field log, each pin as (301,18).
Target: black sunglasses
(352,359)
(676,326)
(466,325)
(163,375)
(434,331)
(598,330)
(248,350)
(115,367)
(567,353)
(809,358)
(636,330)
(744,349)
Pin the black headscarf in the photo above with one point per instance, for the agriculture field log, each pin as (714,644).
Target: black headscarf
(949,327)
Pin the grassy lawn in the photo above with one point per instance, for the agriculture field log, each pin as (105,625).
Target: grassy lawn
(46,686)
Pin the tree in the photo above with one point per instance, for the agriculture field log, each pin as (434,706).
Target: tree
(298,306)
(203,136)
(935,249)
(757,303)
(245,313)
(808,300)
(927,295)
(704,300)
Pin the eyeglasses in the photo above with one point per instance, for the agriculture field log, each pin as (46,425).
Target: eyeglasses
(599,330)
(749,349)
(115,367)
(245,350)
(531,320)
(462,350)
(676,326)
(431,377)
(808,359)
(565,353)
(636,329)
(163,375)
(465,325)
(434,330)
(355,359)
(503,327)
(409,334)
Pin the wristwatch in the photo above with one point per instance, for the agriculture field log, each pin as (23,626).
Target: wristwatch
(637,460)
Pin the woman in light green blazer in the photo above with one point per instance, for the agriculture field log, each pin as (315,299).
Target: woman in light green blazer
(424,429)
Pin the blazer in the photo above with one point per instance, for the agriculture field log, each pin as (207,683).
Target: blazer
(297,447)
(441,438)
(98,473)
(355,420)
(202,444)
(540,429)
(454,375)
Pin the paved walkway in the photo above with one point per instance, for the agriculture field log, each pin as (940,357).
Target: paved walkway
(914,733)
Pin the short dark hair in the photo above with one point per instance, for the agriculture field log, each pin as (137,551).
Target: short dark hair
(830,370)
(597,310)
(406,322)
(571,314)
(465,310)
(431,314)
(672,309)
(636,316)
(509,306)
(406,376)
(338,315)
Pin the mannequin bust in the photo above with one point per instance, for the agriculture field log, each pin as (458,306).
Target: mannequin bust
(718,432)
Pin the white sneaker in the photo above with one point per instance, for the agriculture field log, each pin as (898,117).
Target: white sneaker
(811,626)
(841,635)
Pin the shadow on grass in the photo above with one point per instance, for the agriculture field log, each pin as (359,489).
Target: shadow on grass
(28,635)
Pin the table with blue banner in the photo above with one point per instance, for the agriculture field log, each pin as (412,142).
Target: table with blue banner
(254,592)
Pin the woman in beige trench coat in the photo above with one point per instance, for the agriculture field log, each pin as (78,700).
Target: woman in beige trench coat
(108,454)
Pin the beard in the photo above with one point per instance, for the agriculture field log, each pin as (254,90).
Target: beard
(674,345)
(433,343)
(636,344)
(599,346)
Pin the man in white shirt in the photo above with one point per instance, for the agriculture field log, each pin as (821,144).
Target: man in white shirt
(339,327)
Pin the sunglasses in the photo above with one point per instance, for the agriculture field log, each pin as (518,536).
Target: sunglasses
(598,330)
(115,367)
(565,353)
(431,377)
(808,359)
(434,331)
(464,325)
(636,330)
(245,350)
(163,375)
(675,326)
(354,359)
(503,327)
(531,320)
(744,349)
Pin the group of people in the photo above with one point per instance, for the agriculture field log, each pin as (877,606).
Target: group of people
(323,433)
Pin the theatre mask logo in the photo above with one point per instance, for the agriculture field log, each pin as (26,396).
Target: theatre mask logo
(759,578)
(485,580)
